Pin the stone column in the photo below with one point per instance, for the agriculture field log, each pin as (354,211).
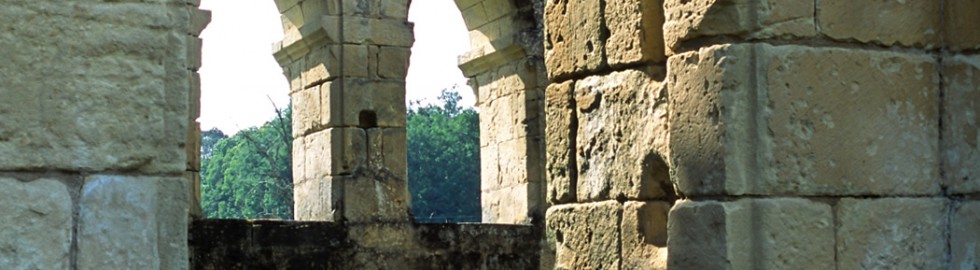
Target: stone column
(346,64)
(508,78)
(606,134)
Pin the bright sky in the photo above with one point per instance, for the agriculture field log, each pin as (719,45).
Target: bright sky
(239,76)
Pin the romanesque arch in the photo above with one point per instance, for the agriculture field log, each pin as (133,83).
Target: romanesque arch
(346,63)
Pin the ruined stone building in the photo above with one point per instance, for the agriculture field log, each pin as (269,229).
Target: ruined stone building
(615,134)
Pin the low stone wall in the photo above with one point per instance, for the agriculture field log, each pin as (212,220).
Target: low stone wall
(242,244)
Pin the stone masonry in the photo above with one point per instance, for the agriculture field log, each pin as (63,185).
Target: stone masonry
(615,134)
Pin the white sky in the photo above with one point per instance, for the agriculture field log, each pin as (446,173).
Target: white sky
(239,74)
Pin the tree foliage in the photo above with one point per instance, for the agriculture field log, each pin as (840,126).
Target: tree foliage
(248,175)
(444,161)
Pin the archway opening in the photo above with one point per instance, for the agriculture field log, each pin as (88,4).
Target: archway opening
(442,124)
(246,141)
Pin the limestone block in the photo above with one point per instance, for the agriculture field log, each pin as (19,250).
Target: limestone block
(903,233)
(299,158)
(393,62)
(318,199)
(494,30)
(513,160)
(334,151)
(199,20)
(344,103)
(586,236)
(688,20)
(395,151)
(507,205)
(374,31)
(307,111)
(133,222)
(574,41)
(635,31)
(751,234)
(94,96)
(757,119)
(903,23)
(324,63)
(193,148)
(375,197)
(961,123)
(621,138)
(36,227)
(319,65)
(194,53)
(291,14)
(474,14)
(194,189)
(507,79)
(644,235)
(465,4)
(960,30)
(506,117)
(313,9)
(194,97)
(490,166)
(356,61)
(965,236)
(560,133)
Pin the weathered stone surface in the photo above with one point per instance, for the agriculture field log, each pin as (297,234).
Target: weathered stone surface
(510,78)
(377,197)
(506,205)
(688,20)
(644,235)
(751,234)
(961,123)
(335,151)
(959,24)
(318,199)
(574,41)
(757,119)
(35,224)
(393,62)
(394,146)
(223,244)
(345,104)
(586,236)
(265,244)
(560,133)
(374,31)
(129,222)
(904,23)
(307,107)
(93,96)
(885,104)
(903,233)
(621,140)
(635,31)
(384,237)
(965,236)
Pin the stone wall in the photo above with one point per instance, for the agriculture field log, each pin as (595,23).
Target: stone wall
(736,134)
(607,134)
(237,244)
(827,134)
(93,132)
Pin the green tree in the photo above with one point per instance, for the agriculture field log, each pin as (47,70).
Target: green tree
(444,161)
(249,175)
